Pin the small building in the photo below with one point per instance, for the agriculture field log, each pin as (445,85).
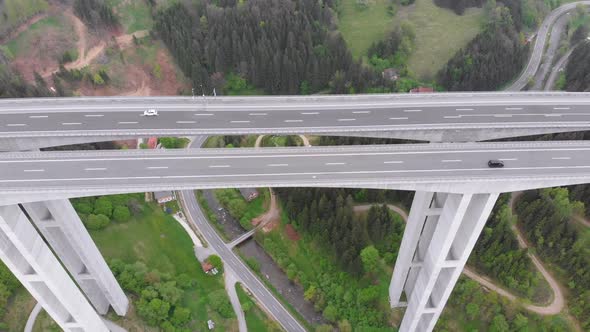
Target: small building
(210,324)
(207,267)
(422,89)
(164,196)
(152,142)
(249,193)
(390,74)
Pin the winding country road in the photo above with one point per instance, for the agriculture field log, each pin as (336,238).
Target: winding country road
(541,39)
(556,305)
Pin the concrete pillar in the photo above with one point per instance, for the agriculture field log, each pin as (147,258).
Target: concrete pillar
(62,228)
(26,254)
(441,233)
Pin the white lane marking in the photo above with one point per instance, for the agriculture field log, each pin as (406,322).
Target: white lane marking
(393,162)
(240,121)
(309,113)
(361,112)
(277,165)
(552,115)
(505,169)
(127,122)
(452,117)
(502,115)
(561,158)
(401,118)
(157,167)
(293,120)
(38,116)
(33,170)
(219,166)
(15,125)
(463,109)
(343,120)
(452,160)
(94,115)
(412,110)
(334,164)
(513,108)
(507,159)
(253,114)
(561,108)
(96,169)
(71,123)
(203,114)
(186,121)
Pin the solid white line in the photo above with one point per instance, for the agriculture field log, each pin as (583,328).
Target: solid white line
(552,115)
(452,117)
(15,125)
(513,108)
(507,159)
(502,115)
(309,113)
(341,120)
(70,123)
(95,169)
(393,162)
(240,121)
(302,173)
(157,167)
(186,121)
(451,160)
(293,120)
(561,158)
(203,114)
(402,118)
(561,108)
(412,110)
(94,115)
(34,170)
(361,112)
(258,114)
(219,166)
(127,122)
(277,165)
(38,116)
(464,109)
(333,164)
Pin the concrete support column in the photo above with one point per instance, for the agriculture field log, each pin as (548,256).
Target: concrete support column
(26,254)
(62,228)
(441,233)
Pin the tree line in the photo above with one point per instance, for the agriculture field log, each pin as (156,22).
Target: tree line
(577,71)
(95,13)
(493,58)
(282,47)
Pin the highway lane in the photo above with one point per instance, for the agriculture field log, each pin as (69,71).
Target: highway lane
(312,166)
(318,114)
(258,289)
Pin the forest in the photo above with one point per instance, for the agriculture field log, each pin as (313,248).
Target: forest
(546,217)
(282,47)
(96,13)
(490,60)
(577,71)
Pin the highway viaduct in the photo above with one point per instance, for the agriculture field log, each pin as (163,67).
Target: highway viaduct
(455,190)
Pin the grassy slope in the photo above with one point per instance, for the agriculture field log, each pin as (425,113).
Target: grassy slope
(439,32)
(133,14)
(157,240)
(16,11)
(22,44)
(18,309)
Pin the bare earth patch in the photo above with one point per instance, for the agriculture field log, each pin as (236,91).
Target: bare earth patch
(292,233)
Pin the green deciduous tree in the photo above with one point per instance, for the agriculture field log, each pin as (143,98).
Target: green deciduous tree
(370,259)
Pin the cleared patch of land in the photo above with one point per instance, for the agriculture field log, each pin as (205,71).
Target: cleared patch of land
(439,31)
(15,12)
(134,15)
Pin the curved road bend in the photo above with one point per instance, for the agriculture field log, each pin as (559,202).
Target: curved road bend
(541,39)
(247,277)
(552,308)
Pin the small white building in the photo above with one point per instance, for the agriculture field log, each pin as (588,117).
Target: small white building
(164,196)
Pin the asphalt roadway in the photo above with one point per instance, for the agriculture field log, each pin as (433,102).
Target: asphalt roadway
(75,171)
(123,116)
